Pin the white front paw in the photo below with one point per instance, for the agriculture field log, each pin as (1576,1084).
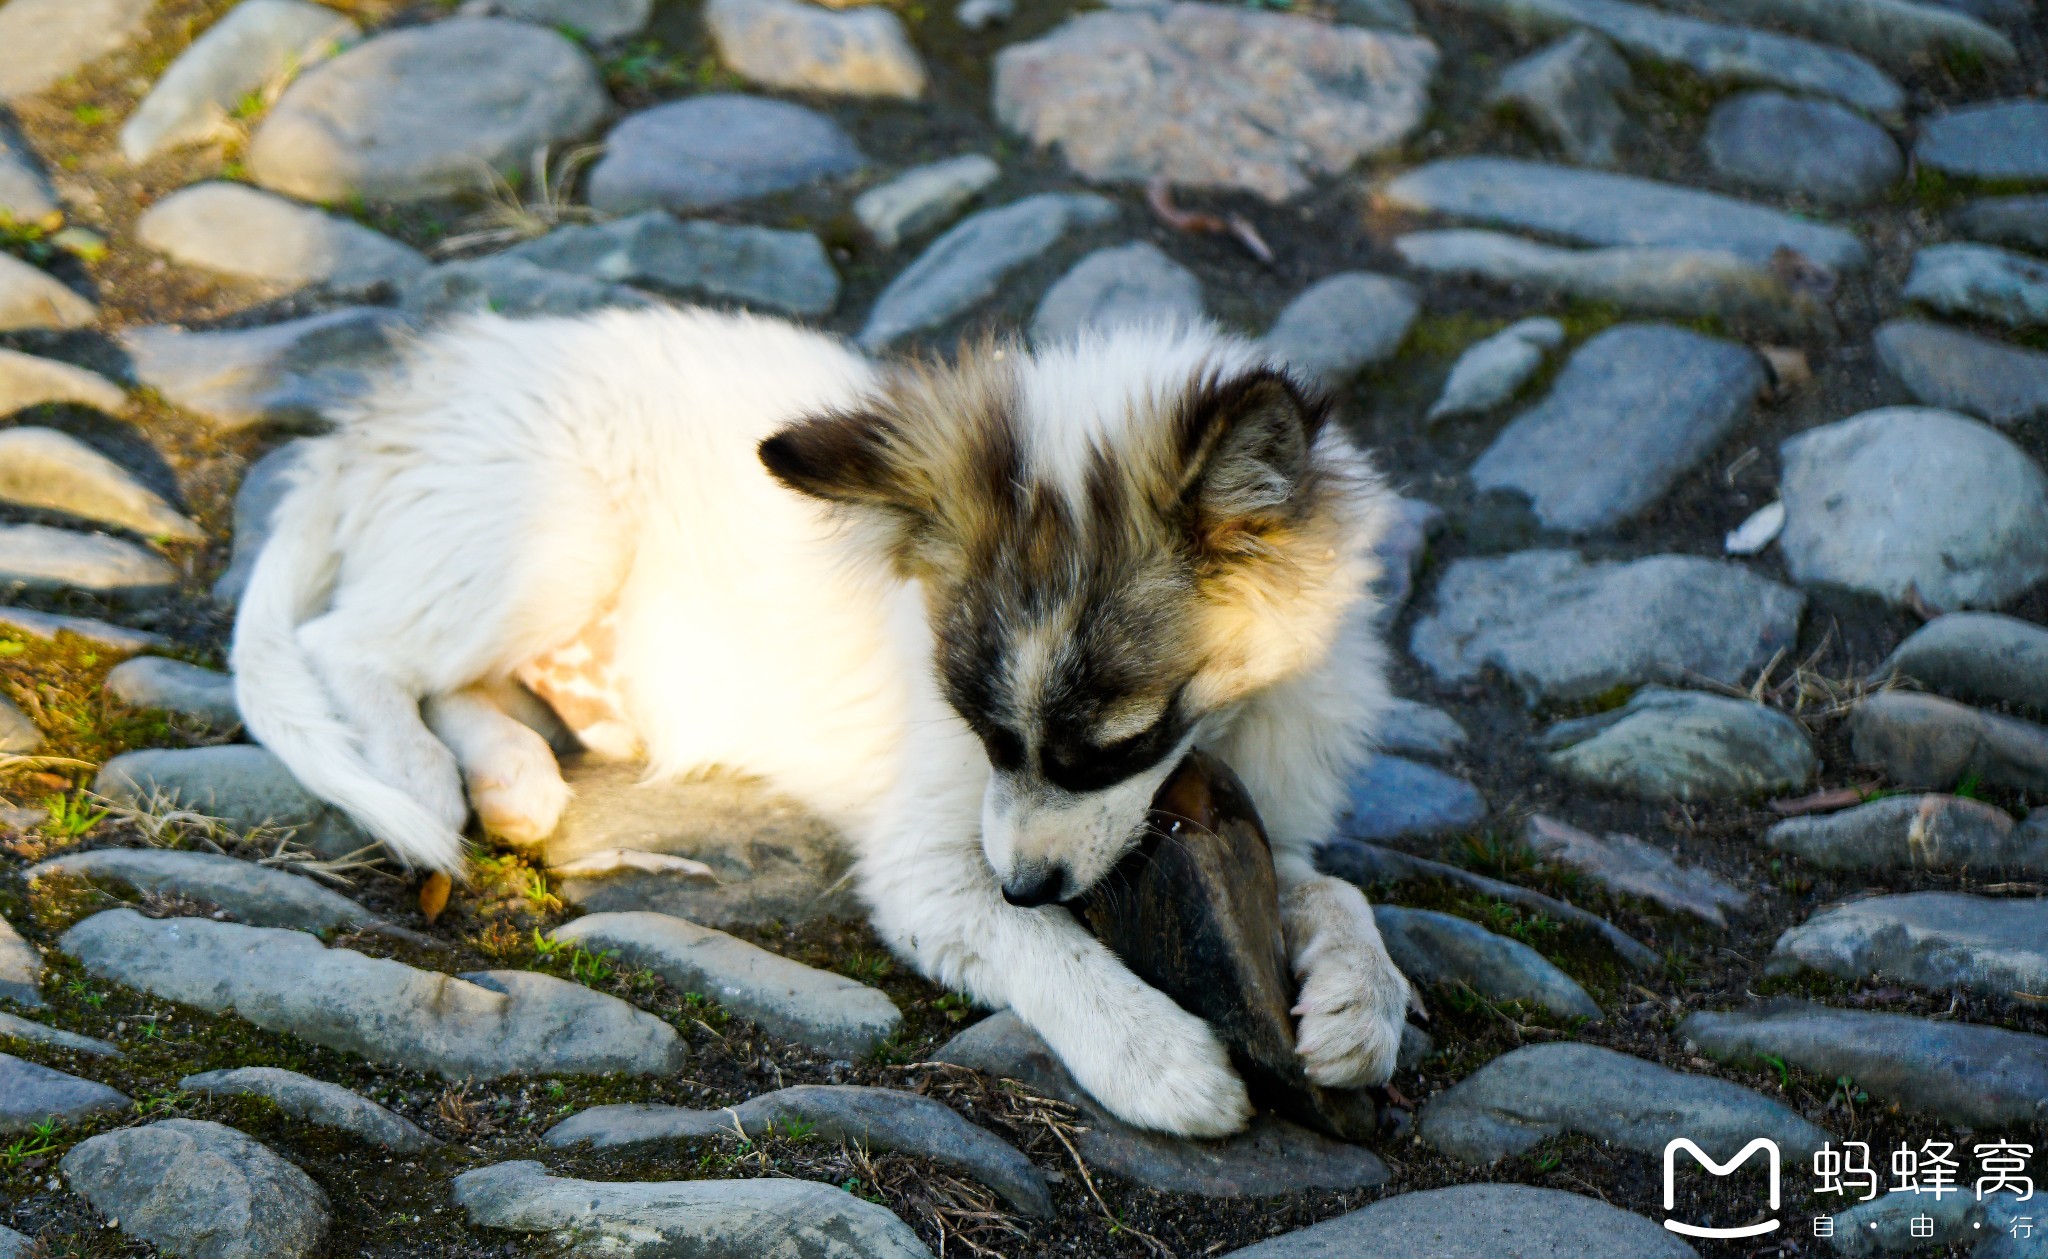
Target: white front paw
(1354,1000)
(1157,1066)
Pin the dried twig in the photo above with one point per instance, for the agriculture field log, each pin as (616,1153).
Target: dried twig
(1159,196)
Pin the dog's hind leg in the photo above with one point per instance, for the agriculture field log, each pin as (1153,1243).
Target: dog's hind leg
(514,780)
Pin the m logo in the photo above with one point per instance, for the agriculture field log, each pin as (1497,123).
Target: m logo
(1718,1169)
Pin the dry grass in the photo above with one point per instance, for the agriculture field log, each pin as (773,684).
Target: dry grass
(508,218)
(161,823)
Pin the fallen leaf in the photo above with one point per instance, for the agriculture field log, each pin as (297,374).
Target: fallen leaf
(434,895)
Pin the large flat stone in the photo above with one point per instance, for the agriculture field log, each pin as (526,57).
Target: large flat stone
(281,373)
(37,557)
(923,197)
(593,21)
(1924,832)
(25,192)
(316,1102)
(200,1189)
(243,785)
(1814,149)
(1946,367)
(707,151)
(1931,744)
(2001,141)
(42,41)
(34,301)
(238,231)
(1934,940)
(1901,34)
(28,381)
(1343,324)
(1393,797)
(255,894)
(1571,91)
(1492,371)
(21,968)
(1478,1222)
(802,47)
(205,695)
(1625,864)
(1120,284)
(1977,657)
(752,266)
(1980,281)
(54,471)
(511,287)
(26,623)
(256,498)
(1437,948)
(14,1027)
(32,1094)
(1684,745)
(2020,222)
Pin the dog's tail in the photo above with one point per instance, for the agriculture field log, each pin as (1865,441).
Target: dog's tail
(284,703)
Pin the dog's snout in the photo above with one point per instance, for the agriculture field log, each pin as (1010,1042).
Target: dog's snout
(1030,886)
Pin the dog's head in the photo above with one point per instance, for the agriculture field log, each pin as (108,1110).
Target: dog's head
(1118,540)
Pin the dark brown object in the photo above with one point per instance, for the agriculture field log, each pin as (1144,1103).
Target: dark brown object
(1195,912)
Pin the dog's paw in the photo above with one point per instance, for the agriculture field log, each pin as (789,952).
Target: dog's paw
(1354,1000)
(520,803)
(1163,1069)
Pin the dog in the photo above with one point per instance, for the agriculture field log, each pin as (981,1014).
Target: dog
(973,614)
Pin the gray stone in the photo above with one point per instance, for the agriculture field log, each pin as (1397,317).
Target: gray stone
(2004,12)
(27,381)
(243,785)
(1737,56)
(255,894)
(200,1189)
(1401,550)
(1122,284)
(1479,1222)
(1930,744)
(979,15)
(1946,367)
(2020,222)
(1271,1157)
(43,468)
(1900,34)
(802,47)
(1560,628)
(1977,657)
(512,287)
(922,198)
(32,301)
(1899,1221)
(705,1219)
(1634,409)
(1684,281)
(1684,745)
(174,686)
(753,266)
(1396,15)
(14,1027)
(880,1119)
(1188,93)
(1536,1092)
(1983,281)
(2003,141)
(787,998)
(259,43)
(1980,1077)
(36,557)
(711,150)
(1625,864)
(483,1026)
(425,111)
(316,1102)
(43,41)
(1598,208)
(25,192)
(1393,798)
(280,373)
(1494,370)
(15,1245)
(769,860)
(965,266)
(31,1094)
(1343,324)
(18,733)
(1411,729)
(1434,948)
(598,21)
(240,231)
(21,968)
(1570,91)
(1809,148)
(1935,832)
(263,488)
(1904,498)
(48,625)
(1933,940)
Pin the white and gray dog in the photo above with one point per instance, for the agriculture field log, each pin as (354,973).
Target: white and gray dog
(972,614)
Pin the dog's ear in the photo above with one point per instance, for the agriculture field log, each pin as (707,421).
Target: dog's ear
(853,458)
(1246,440)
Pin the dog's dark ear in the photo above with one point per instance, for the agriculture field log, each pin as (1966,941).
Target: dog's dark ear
(1247,440)
(847,457)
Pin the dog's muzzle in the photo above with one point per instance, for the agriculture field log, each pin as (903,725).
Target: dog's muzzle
(1036,884)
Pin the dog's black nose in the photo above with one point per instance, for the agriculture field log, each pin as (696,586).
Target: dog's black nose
(1034,885)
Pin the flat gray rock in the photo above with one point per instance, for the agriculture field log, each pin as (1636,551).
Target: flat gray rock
(15,1027)
(2001,141)
(801,47)
(708,151)
(32,301)
(1946,367)
(18,731)
(1684,745)
(1898,1221)
(922,198)
(1479,1222)
(1536,1092)
(2020,222)
(235,230)
(53,471)
(1930,744)
(512,287)
(880,1119)
(1965,1073)
(1977,657)
(174,686)
(759,267)
(1737,56)
(1419,730)
(483,1026)
(1394,798)
(1981,281)
(1434,948)
(256,498)
(42,41)
(422,111)
(257,43)
(241,784)
(1343,324)
(1272,1156)
(32,1094)
(787,998)
(1933,940)
(1494,370)
(1907,498)
(1122,284)
(1921,832)
(316,1102)
(1401,550)
(200,1189)
(1633,410)
(1560,628)
(25,192)
(21,968)
(705,1219)
(1570,91)
(39,558)
(285,373)
(594,21)
(964,267)
(15,1245)
(1901,34)
(48,625)
(1207,109)
(1807,148)
(27,381)
(1625,864)
(1597,208)
(257,895)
